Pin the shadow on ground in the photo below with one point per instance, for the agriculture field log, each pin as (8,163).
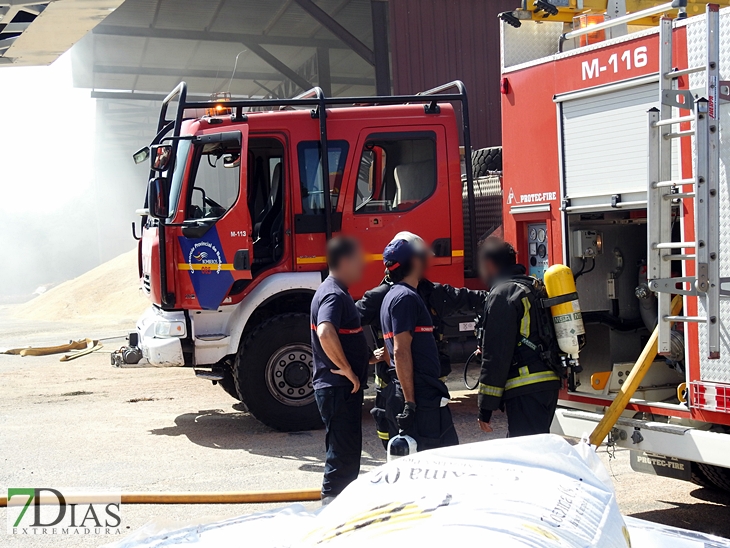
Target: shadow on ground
(238,430)
(695,516)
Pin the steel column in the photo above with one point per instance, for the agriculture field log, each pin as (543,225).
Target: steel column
(379,11)
(324,76)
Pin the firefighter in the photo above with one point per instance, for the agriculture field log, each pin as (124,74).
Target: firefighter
(416,397)
(341,356)
(515,375)
(442,301)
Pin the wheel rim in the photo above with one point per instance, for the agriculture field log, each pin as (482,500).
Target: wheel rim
(289,375)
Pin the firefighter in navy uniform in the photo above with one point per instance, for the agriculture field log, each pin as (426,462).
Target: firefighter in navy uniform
(341,356)
(416,398)
(518,373)
(442,300)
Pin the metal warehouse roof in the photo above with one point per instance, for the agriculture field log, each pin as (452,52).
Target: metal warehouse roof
(146,47)
(36,33)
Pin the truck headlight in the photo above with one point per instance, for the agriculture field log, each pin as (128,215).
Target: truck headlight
(166,328)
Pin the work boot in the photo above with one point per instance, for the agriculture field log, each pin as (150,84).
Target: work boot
(327,499)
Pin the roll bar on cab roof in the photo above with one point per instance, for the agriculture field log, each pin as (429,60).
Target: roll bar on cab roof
(316,98)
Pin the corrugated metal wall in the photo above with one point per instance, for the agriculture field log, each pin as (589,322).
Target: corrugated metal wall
(436,41)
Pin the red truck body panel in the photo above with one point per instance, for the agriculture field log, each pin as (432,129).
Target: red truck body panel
(532,170)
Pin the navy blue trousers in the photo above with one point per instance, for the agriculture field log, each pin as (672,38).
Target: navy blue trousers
(342,415)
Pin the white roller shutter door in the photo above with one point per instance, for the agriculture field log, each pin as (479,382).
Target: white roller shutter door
(605,143)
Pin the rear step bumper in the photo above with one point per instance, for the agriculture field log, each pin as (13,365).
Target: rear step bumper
(214,374)
(671,440)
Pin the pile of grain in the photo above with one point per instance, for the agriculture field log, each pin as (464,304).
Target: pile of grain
(109,290)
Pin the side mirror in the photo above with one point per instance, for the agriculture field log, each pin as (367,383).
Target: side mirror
(141,155)
(157,198)
(161,155)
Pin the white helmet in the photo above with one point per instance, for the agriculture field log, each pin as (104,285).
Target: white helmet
(416,242)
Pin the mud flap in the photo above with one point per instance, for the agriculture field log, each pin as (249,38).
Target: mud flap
(659,465)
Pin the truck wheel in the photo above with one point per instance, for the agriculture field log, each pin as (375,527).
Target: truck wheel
(699,477)
(273,374)
(717,475)
(485,160)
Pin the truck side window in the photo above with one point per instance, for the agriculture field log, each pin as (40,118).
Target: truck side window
(214,185)
(397,172)
(310,174)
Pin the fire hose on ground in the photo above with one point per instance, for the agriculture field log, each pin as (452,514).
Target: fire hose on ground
(234,497)
(78,348)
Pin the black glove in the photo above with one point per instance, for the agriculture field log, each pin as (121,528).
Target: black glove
(407,418)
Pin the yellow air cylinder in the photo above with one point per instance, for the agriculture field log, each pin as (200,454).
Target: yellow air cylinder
(567,318)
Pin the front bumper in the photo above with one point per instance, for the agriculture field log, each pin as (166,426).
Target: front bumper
(161,350)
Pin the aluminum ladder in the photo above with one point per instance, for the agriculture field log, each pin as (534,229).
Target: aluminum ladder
(663,191)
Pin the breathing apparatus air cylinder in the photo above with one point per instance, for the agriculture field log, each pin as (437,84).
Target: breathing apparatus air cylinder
(567,319)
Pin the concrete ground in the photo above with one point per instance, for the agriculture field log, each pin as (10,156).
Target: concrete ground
(84,424)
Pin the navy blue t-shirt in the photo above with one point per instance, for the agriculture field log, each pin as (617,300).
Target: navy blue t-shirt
(403,310)
(332,303)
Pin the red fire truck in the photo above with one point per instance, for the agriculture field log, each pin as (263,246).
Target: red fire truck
(238,212)
(616,164)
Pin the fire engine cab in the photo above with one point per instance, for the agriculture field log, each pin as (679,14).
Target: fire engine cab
(242,197)
(616,162)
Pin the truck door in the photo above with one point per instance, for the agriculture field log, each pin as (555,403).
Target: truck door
(309,225)
(215,247)
(402,184)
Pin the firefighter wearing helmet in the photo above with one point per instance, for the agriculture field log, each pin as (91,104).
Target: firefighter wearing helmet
(442,300)
(520,357)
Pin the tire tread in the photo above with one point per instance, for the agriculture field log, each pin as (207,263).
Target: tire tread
(717,476)
(486,160)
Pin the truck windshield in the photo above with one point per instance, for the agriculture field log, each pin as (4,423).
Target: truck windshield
(181,160)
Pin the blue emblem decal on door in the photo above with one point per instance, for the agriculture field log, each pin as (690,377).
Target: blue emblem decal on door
(206,264)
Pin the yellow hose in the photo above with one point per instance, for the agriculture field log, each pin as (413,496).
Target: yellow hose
(633,381)
(244,497)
